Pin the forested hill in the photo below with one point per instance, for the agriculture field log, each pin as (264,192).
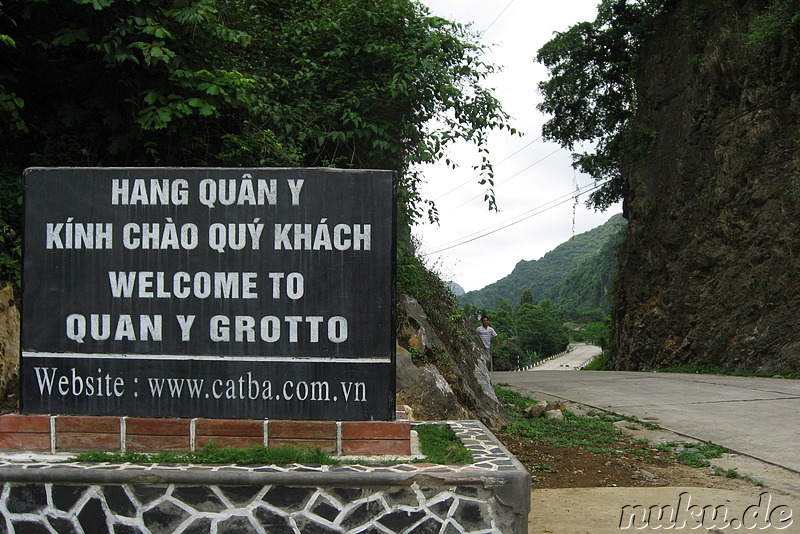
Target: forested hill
(575,275)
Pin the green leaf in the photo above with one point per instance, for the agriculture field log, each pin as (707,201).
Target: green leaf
(164,116)
(68,36)
(207,109)
(150,97)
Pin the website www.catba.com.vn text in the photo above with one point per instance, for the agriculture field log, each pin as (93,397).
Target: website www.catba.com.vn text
(51,381)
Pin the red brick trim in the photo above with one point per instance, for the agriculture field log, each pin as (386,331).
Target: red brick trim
(25,433)
(376,447)
(146,434)
(239,433)
(86,433)
(71,433)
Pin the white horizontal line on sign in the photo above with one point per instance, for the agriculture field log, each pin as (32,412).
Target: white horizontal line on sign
(198,357)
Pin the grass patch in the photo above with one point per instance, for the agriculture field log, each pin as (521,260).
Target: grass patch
(440,445)
(692,459)
(596,433)
(666,447)
(540,468)
(211,454)
(513,401)
(600,362)
(613,417)
(574,431)
(717,370)
(728,473)
(697,454)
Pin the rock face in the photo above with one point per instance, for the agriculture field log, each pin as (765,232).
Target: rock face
(457,387)
(9,343)
(709,267)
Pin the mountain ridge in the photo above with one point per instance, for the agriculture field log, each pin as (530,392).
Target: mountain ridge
(575,275)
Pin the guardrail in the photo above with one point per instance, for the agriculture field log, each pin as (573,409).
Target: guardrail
(529,366)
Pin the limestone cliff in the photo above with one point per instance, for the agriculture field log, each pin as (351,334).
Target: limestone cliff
(454,384)
(709,267)
(9,349)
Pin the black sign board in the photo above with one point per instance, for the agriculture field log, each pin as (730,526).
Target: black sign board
(206,292)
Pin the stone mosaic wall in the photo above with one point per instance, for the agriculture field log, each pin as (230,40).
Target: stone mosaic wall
(275,509)
(490,495)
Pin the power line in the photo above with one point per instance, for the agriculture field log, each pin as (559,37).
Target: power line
(498,16)
(531,213)
(555,201)
(478,176)
(514,175)
(656,154)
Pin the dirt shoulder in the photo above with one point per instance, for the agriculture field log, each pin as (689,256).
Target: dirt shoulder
(575,491)
(613,510)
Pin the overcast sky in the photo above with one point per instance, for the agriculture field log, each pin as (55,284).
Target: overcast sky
(534,180)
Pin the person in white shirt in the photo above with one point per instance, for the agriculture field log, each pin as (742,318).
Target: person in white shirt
(486,333)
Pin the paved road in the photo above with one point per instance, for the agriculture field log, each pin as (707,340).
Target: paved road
(759,417)
(575,359)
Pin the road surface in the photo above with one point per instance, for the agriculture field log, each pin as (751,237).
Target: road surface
(575,359)
(751,415)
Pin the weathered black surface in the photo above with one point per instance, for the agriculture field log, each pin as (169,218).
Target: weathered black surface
(290,280)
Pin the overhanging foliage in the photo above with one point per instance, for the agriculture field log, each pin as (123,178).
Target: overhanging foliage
(590,93)
(236,83)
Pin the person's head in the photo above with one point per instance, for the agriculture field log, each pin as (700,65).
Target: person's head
(484,320)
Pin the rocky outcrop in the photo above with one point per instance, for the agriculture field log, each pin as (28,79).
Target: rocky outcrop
(440,384)
(9,346)
(546,410)
(709,268)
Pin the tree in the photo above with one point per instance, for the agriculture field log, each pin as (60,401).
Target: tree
(502,319)
(107,83)
(590,93)
(527,297)
(599,333)
(472,313)
(226,82)
(530,330)
(508,356)
(540,329)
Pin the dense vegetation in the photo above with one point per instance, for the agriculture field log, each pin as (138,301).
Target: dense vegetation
(591,94)
(452,323)
(575,275)
(364,84)
(562,297)
(591,91)
(585,290)
(528,331)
